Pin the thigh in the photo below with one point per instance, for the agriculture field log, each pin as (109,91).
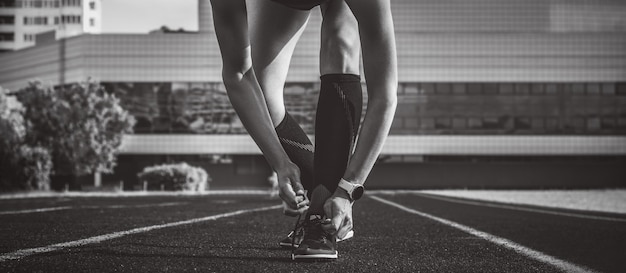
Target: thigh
(274,32)
(340,43)
(231,28)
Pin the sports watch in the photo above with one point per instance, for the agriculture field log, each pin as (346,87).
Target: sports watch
(355,191)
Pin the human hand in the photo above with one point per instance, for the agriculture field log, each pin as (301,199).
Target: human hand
(291,191)
(339,209)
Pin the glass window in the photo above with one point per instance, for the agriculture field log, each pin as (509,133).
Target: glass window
(608,123)
(593,124)
(427,123)
(458,89)
(608,89)
(552,88)
(411,89)
(443,88)
(490,88)
(428,88)
(537,89)
(620,88)
(474,88)
(411,123)
(522,123)
(443,123)
(538,123)
(459,123)
(475,123)
(522,89)
(92,5)
(506,89)
(578,89)
(491,123)
(593,89)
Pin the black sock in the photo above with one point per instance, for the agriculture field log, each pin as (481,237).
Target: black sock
(337,123)
(299,148)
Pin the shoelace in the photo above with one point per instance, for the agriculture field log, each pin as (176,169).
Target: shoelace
(313,229)
(294,234)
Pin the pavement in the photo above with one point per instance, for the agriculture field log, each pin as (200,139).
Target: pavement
(395,231)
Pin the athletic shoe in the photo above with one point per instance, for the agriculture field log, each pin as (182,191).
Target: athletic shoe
(317,243)
(290,242)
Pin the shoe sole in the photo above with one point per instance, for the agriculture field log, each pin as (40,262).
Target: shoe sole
(314,256)
(349,235)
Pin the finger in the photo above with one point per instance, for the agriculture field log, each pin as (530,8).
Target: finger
(298,188)
(288,195)
(337,216)
(294,212)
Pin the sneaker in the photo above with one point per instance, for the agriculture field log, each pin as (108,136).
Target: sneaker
(348,235)
(317,243)
(290,242)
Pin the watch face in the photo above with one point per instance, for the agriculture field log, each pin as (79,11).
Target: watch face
(357,193)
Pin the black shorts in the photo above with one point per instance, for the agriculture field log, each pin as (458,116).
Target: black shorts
(300,4)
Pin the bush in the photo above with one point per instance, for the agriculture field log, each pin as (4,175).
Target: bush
(81,125)
(175,177)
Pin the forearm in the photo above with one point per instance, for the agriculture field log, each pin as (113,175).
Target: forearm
(381,76)
(374,131)
(249,103)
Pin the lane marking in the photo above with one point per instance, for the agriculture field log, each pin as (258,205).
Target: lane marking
(33,210)
(512,207)
(134,206)
(19,254)
(531,253)
(92,207)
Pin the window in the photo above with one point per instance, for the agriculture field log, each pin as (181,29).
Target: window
(7,20)
(92,22)
(474,88)
(443,88)
(92,5)
(6,36)
(29,37)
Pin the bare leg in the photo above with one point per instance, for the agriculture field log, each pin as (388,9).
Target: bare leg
(231,28)
(274,31)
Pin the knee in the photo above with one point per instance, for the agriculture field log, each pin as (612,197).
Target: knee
(234,71)
(340,39)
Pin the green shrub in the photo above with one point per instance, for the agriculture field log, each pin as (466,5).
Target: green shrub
(35,166)
(175,177)
(81,125)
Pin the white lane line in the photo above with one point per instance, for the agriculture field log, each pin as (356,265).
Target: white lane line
(134,206)
(33,210)
(502,206)
(92,207)
(533,254)
(101,238)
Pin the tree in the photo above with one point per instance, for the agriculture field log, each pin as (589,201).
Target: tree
(82,125)
(21,167)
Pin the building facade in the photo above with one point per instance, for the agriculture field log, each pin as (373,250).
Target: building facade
(490,92)
(22,20)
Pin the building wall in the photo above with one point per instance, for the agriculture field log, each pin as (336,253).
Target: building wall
(31,17)
(480,67)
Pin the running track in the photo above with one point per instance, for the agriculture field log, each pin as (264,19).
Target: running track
(393,233)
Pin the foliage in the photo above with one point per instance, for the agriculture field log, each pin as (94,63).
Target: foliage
(176,177)
(34,166)
(82,125)
(21,167)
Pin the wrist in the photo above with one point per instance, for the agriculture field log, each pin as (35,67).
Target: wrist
(352,191)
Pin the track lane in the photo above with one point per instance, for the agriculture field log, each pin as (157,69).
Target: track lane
(592,243)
